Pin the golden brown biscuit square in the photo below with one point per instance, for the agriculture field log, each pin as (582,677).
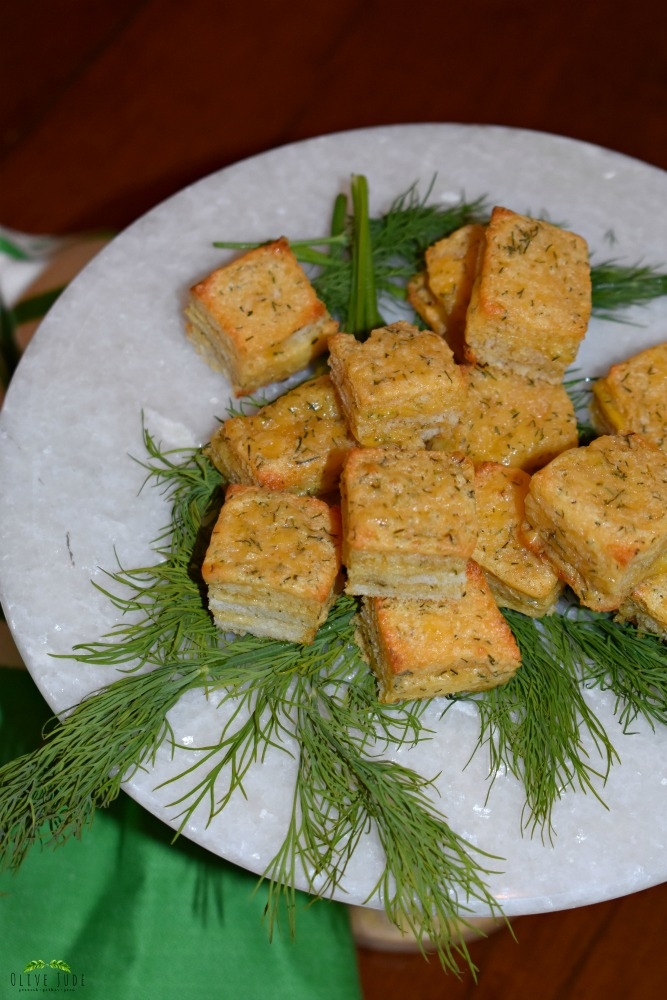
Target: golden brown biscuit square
(632,397)
(420,649)
(426,304)
(452,266)
(273,562)
(441,293)
(599,514)
(296,443)
(646,606)
(512,419)
(531,301)
(409,523)
(398,387)
(519,579)
(258,319)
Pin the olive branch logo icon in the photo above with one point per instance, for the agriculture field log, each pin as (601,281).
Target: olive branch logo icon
(55,963)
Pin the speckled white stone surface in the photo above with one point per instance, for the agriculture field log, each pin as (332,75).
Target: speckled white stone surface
(114,346)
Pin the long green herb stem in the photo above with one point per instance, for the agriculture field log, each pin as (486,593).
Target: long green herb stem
(362,313)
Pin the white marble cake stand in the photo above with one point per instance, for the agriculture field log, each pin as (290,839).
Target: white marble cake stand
(113,347)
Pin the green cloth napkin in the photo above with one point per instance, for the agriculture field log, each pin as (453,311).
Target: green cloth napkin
(122,913)
(135,917)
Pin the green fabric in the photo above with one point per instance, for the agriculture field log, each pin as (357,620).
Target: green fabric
(134,916)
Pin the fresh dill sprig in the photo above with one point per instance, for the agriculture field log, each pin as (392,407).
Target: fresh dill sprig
(322,695)
(616,656)
(401,236)
(429,880)
(534,726)
(617,286)
(51,794)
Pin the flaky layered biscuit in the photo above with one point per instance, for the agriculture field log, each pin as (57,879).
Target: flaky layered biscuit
(420,649)
(398,387)
(409,523)
(531,301)
(296,443)
(632,397)
(272,566)
(512,419)
(441,294)
(258,319)
(518,578)
(646,606)
(599,514)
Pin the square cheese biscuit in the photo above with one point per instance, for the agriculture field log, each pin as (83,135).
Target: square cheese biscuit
(420,649)
(599,514)
(513,419)
(296,443)
(398,387)
(441,293)
(426,304)
(632,397)
(258,319)
(646,606)
(272,565)
(409,523)
(531,302)
(519,579)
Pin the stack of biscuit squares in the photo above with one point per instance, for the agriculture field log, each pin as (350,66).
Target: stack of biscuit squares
(514,307)
(454,456)
(632,398)
(428,623)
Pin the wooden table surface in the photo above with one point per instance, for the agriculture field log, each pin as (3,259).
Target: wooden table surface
(108,107)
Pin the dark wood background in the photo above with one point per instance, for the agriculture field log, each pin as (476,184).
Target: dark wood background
(108,106)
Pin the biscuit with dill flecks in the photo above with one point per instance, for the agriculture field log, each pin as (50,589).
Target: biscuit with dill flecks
(632,397)
(531,301)
(441,294)
(646,606)
(420,649)
(518,578)
(599,515)
(409,523)
(272,566)
(296,443)
(398,387)
(512,419)
(258,319)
